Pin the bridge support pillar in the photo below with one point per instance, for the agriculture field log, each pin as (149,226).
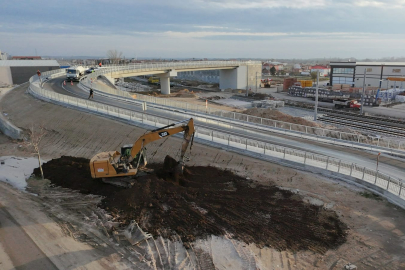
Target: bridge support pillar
(165,81)
(243,77)
(165,85)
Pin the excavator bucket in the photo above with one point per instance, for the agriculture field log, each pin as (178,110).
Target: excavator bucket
(134,234)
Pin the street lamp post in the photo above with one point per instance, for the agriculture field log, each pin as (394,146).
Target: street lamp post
(316,96)
(364,89)
(256,82)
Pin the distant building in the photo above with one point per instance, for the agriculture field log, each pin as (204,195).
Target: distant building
(4,56)
(278,67)
(26,58)
(324,71)
(377,74)
(297,66)
(19,71)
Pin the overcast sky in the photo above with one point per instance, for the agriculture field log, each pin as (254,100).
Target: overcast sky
(205,28)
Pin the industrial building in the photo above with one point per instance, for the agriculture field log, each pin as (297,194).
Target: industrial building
(376,74)
(19,71)
(324,71)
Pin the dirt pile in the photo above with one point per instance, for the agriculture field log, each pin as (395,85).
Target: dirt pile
(279,116)
(260,96)
(208,201)
(213,98)
(184,93)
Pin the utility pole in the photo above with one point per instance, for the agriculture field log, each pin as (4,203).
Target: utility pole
(256,82)
(364,90)
(247,80)
(316,96)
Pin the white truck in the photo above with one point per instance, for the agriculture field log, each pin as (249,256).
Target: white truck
(75,73)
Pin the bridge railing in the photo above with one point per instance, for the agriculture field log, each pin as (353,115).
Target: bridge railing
(168,66)
(371,178)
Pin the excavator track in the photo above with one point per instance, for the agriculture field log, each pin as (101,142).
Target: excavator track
(125,182)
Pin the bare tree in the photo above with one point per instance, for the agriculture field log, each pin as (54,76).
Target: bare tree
(115,56)
(32,143)
(314,75)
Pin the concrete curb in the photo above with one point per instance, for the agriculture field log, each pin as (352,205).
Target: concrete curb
(8,128)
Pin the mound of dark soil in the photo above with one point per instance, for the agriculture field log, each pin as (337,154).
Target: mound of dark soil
(208,201)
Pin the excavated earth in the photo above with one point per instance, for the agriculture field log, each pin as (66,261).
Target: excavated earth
(205,201)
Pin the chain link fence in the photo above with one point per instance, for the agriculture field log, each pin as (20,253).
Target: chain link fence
(376,178)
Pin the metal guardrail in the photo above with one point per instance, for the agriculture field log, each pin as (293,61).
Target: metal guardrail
(171,65)
(266,122)
(383,181)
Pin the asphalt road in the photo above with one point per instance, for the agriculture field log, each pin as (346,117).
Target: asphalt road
(391,166)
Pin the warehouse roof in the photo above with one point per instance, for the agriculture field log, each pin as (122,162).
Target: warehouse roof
(28,63)
(367,63)
(380,63)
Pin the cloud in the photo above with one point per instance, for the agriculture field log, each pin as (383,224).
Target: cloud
(220,25)
(210,27)
(264,4)
(204,34)
(386,4)
(299,4)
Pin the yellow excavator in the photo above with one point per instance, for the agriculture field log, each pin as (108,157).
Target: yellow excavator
(120,168)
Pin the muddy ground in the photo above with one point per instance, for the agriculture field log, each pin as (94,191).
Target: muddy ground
(208,201)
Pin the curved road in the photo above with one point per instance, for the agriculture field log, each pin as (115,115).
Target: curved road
(392,166)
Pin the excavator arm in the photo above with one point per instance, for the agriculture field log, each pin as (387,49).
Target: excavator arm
(163,132)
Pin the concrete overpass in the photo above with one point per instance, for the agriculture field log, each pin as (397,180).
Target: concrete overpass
(233,74)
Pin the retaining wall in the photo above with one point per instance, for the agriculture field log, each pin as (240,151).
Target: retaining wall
(6,127)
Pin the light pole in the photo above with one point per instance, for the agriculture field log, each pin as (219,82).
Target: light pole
(256,82)
(316,96)
(247,80)
(364,89)
(378,157)
(378,91)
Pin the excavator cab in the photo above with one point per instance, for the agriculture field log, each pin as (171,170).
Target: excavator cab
(126,150)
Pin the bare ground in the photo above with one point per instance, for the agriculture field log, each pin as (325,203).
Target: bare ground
(279,116)
(375,239)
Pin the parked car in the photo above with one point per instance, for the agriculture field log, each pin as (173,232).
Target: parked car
(90,70)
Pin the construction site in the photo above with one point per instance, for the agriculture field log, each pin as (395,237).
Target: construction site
(116,193)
